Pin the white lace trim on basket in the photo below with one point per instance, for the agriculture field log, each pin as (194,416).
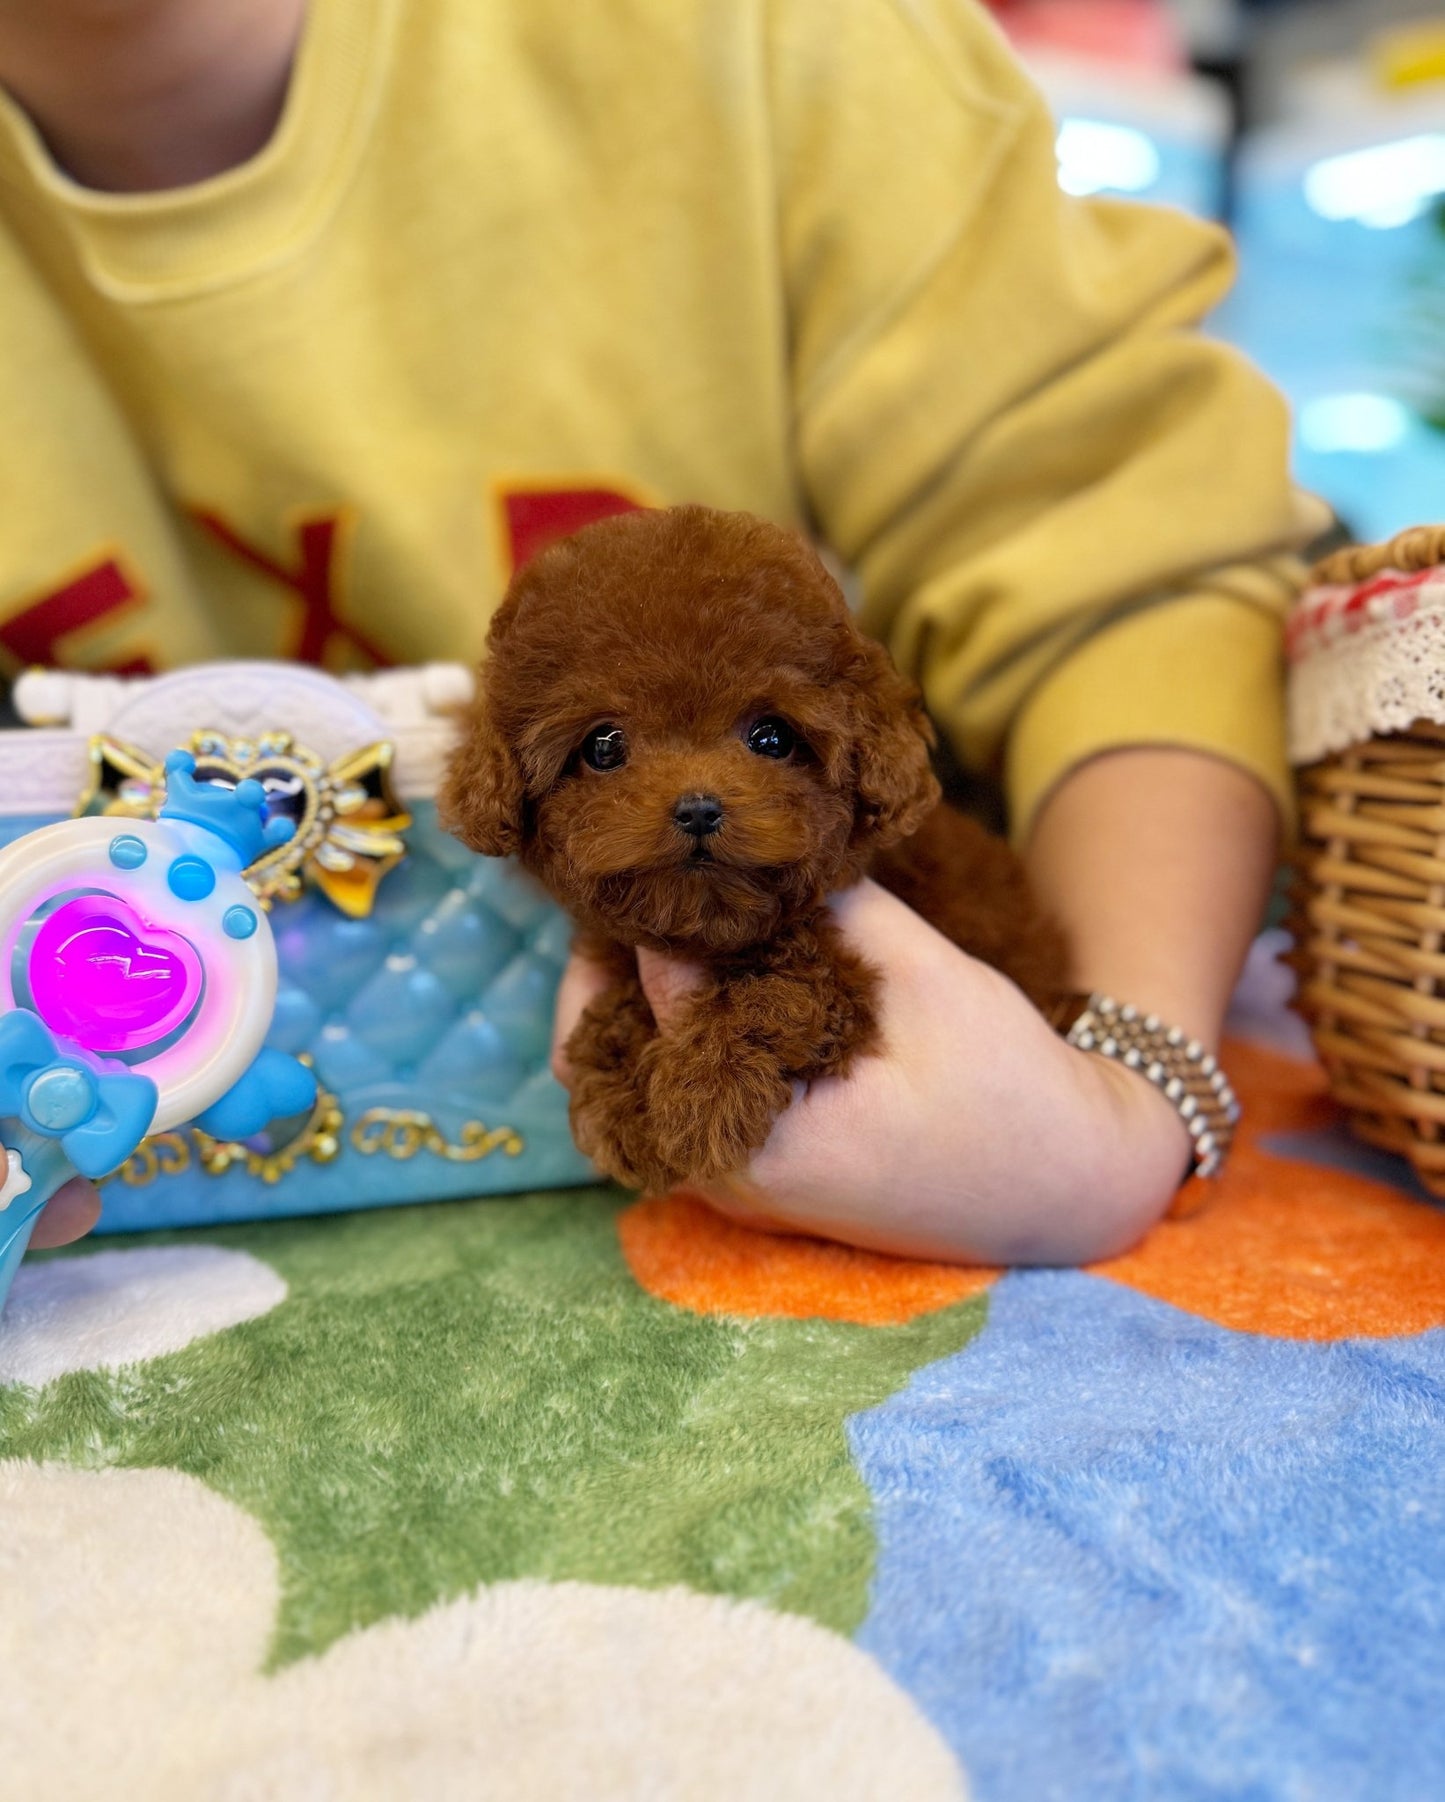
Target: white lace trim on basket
(1365,658)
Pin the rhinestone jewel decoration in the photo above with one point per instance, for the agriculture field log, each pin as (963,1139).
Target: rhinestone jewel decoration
(348,823)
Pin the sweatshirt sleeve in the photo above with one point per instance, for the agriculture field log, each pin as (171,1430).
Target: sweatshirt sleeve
(1069,510)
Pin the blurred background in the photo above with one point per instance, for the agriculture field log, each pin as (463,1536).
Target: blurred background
(1316,130)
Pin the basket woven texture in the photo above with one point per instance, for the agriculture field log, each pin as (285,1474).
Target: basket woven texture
(1367,910)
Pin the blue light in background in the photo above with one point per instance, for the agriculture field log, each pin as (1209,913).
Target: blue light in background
(1383,185)
(1340,221)
(1341,299)
(1133,135)
(1096,157)
(1353,422)
(1139,162)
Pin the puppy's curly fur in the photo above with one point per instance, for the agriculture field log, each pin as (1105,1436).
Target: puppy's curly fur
(683,735)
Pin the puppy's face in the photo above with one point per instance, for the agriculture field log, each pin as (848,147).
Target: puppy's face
(683,734)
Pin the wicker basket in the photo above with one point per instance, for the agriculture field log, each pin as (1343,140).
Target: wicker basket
(1367,650)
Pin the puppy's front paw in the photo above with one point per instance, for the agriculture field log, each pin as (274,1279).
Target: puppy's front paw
(706,1122)
(607,1109)
(608,1127)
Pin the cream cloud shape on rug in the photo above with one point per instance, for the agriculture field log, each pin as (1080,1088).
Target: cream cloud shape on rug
(137,1613)
(110,1308)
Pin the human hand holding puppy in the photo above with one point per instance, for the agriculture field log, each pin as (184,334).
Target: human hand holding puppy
(971,1136)
(975,1133)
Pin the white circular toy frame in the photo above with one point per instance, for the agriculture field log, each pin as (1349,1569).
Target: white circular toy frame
(216,1050)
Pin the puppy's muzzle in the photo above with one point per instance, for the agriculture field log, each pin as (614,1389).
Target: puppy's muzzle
(698,815)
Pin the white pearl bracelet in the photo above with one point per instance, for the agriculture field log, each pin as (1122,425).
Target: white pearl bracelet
(1179,1067)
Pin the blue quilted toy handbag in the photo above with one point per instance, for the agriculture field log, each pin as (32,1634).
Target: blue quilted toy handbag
(416,977)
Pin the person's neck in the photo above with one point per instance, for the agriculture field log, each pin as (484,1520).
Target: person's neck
(138,95)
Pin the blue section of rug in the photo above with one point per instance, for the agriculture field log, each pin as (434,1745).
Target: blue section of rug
(1126,1553)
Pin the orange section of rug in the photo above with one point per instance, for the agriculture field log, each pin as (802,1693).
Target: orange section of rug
(1292,1249)
(682,1251)
(1281,1247)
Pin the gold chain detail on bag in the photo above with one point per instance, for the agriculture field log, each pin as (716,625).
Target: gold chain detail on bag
(319,1140)
(398,1133)
(164,1154)
(402,1132)
(170,1154)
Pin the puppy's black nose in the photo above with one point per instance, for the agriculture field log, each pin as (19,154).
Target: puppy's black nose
(701,815)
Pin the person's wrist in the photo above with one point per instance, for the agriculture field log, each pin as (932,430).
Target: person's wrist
(1179,1066)
(1147,1148)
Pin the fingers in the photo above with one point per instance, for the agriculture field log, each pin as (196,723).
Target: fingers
(667,982)
(744,1200)
(874,920)
(69,1214)
(582,982)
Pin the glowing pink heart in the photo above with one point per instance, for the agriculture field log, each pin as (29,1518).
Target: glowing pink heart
(101,976)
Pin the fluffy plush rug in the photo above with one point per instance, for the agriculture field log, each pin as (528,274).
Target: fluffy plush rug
(564,1496)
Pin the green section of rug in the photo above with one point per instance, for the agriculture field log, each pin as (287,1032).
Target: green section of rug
(467,1393)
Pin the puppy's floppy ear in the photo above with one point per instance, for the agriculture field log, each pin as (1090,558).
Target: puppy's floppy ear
(482,795)
(895,783)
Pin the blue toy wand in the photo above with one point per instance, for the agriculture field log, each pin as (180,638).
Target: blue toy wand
(137,984)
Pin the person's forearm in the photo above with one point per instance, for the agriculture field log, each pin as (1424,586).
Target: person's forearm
(131,95)
(1158,863)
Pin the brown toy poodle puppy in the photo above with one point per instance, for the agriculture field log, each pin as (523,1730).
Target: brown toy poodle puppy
(682,733)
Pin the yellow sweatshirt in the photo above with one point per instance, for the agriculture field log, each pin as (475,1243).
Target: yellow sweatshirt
(508,264)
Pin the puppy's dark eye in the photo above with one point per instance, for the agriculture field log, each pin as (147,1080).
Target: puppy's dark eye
(772,737)
(605,748)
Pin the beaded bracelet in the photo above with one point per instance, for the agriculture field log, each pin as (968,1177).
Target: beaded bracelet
(1186,1074)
